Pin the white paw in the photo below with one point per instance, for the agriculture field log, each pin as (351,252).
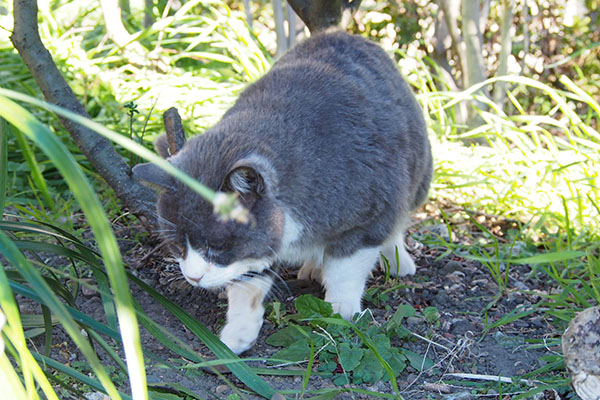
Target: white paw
(310,271)
(240,334)
(244,313)
(345,303)
(346,310)
(400,264)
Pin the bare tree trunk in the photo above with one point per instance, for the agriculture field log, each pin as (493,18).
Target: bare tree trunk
(473,42)
(291,20)
(148,18)
(322,14)
(442,42)
(484,14)
(279,27)
(451,9)
(248,13)
(474,65)
(506,41)
(524,67)
(98,150)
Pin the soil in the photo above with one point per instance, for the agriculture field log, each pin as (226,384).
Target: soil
(461,290)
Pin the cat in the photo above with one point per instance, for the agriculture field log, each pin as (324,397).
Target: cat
(329,153)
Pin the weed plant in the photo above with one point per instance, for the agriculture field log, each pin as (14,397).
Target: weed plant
(538,166)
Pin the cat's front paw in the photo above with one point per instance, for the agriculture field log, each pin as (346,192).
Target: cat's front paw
(239,336)
(346,310)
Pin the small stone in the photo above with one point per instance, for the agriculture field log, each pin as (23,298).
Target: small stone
(88,289)
(96,396)
(453,266)
(456,277)
(437,387)
(221,389)
(446,325)
(278,396)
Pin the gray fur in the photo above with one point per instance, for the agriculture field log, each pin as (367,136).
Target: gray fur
(341,145)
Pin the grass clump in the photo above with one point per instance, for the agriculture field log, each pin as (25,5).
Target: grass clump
(359,352)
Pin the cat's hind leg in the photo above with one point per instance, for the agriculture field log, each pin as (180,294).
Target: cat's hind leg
(394,251)
(245,312)
(344,280)
(310,271)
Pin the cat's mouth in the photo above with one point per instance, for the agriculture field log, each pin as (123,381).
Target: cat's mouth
(200,272)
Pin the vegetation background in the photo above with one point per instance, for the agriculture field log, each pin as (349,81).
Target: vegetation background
(510,92)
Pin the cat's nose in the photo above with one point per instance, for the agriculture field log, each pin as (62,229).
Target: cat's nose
(194,280)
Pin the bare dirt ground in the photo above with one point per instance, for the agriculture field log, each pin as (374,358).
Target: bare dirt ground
(460,289)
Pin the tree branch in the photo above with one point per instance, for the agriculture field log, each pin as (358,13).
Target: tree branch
(319,15)
(97,149)
(174,129)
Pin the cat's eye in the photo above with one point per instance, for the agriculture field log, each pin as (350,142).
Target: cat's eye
(216,246)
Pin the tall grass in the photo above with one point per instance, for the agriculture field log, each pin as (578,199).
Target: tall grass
(539,169)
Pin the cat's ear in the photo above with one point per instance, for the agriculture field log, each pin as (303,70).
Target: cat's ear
(161,145)
(154,176)
(247,182)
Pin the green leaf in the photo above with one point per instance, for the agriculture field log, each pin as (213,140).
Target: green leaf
(369,370)
(327,368)
(431,314)
(417,361)
(309,306)
(341,380)
(296,352)
(287,336)
(403,311)
(396,359)
(332,394)
(543,258)
(349,356)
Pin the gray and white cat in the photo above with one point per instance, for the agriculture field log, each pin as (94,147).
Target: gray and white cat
(329,152)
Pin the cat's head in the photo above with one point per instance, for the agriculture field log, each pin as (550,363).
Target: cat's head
(213,252)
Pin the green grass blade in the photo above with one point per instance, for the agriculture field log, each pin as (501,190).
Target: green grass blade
(12,387)
(3,163)
(121,140)
(16,258)
(34,169)
(91,206)
(65,369)
(77,315)
(13,330)
(241,370)
(543,258)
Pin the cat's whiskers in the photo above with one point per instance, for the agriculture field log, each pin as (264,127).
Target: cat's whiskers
(279,284)
(257,280)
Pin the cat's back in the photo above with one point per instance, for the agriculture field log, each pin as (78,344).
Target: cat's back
(331,69)
(340,126)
